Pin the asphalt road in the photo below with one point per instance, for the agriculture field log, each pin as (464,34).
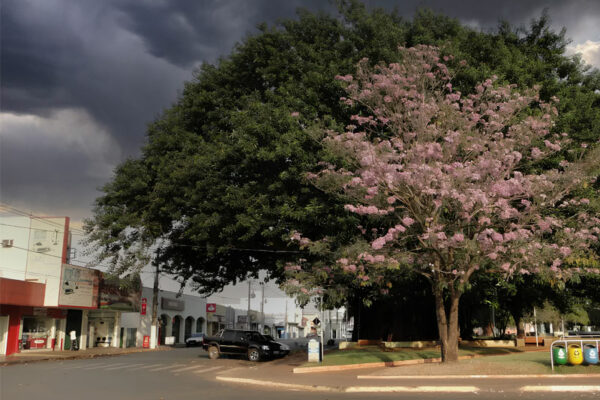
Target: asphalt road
(189,374)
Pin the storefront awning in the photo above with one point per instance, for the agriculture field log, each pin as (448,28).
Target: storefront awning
(22,293)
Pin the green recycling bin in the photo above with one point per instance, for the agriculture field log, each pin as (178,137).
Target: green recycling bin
(560,355)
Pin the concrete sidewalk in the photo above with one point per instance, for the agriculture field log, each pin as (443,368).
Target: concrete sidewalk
(272,376)
(466,376)
(48,355)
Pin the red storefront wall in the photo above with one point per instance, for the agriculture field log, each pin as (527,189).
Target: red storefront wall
(17,298)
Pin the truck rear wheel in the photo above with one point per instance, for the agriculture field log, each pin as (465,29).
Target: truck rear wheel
(253,355)
(213,352)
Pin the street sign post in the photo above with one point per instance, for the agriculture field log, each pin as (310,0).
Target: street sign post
(317,322)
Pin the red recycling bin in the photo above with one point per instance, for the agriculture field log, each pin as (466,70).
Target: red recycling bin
(146,344)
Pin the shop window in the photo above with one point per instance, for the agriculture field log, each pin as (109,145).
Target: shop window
(131,337)
(36,332)
(102,330)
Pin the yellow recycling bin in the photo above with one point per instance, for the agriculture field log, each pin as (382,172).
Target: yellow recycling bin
(575,354)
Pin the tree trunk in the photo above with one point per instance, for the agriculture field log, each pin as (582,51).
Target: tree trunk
(520,329)
(447,324)
(356,330)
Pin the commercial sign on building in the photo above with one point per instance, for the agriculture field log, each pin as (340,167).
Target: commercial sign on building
(121,294)
(172,304)
(78,287)
(211,307)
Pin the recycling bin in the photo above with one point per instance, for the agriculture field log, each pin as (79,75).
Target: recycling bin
(575,354)
(559,355)
(590,354)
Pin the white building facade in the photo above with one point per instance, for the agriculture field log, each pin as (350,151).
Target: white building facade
(178,318)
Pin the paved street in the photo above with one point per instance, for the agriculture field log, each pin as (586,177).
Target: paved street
(189,374)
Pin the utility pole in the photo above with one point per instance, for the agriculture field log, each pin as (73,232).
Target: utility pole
(285,326)
(330,324)
(262,308)
(535,327)
(248,313)
(154,328)
(322,327)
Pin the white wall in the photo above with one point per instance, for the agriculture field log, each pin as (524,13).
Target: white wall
(13,260)
(44,261)
(194,306)
(37,252)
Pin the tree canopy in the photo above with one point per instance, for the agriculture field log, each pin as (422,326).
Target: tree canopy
(444,178)
(220,184)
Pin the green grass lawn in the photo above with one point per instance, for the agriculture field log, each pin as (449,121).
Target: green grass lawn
(373,354)
(534,362)
(497,361)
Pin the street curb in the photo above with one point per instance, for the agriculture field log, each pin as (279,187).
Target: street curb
(76,357)
(555,388)
(352,389)
(290,386)
(411,389)
(345,367)
(539,376)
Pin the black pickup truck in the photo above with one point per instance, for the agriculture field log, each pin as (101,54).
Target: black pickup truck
(248,343)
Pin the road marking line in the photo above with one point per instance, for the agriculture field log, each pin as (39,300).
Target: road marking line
(412,377)
(202,371)
(150,366)
(559,388)
(291,386)
(103,366)
(413,389)
(185,368)
(121,367)
(167,367)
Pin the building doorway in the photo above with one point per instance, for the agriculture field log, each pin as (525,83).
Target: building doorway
(74,318)
(189,323)
(3,334)
(176,328)
(162,330)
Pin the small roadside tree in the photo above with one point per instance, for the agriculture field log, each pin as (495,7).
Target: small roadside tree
(449,185)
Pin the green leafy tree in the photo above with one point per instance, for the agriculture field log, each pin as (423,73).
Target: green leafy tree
(219,185)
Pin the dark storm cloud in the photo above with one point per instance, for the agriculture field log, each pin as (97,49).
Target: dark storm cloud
(66,54)
(185,32)
(486,14)
(116,64)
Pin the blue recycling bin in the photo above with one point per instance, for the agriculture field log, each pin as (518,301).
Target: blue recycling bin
(590,354)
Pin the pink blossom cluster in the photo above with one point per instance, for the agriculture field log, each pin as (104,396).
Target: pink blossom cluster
(367,210)
(445,180)
(297,237)
(452,163)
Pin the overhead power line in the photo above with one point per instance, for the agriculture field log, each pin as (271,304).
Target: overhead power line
(22,213)
(44,230)
(48,255)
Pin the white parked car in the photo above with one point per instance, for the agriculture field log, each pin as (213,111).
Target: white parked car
(195,340)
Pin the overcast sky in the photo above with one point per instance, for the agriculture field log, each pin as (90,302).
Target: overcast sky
(81,79)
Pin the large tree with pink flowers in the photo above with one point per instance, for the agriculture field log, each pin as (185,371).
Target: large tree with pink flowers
(450,185)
